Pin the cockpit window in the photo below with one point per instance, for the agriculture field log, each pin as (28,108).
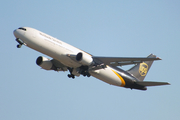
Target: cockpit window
(21,28)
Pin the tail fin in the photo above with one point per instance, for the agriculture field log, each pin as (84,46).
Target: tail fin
(141,69)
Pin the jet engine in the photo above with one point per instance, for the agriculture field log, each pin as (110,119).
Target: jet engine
(84,59)
(44,62)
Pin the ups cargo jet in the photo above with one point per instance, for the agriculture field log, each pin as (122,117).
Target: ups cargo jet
(67,57)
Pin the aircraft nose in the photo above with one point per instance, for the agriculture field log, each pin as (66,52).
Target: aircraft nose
(15,33)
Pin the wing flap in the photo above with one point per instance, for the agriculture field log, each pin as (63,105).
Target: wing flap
(59,65)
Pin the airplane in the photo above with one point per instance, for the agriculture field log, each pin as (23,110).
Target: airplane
(66,57)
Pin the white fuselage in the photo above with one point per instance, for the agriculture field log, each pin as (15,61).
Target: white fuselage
(60,50)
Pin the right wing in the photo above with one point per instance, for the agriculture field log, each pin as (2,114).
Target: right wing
(120,61)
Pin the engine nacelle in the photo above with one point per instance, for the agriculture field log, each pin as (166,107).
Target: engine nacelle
(45,63)
(84,59)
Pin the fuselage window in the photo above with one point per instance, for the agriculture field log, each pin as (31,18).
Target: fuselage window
(21,28)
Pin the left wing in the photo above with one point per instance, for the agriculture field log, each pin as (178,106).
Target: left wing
(120,61)
(58,66)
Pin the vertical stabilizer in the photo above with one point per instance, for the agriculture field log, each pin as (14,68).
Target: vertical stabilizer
(141,69)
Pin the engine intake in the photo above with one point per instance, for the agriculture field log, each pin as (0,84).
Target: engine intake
(84,59)
(44,62)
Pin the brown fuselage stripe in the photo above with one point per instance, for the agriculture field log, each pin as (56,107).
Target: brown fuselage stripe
(122,80)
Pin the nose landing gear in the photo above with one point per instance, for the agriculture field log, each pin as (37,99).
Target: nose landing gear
(19,46)
(20,42)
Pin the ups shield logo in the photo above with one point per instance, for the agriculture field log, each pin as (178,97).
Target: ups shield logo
(143,68)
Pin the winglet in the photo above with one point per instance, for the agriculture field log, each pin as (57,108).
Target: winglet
(152,55)
(159,58)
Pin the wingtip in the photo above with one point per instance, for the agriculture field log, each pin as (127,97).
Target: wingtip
(159,58)
(168,84)
(154,56)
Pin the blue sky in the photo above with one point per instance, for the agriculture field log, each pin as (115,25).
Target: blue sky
(102,28)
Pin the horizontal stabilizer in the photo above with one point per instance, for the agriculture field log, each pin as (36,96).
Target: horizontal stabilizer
(147,83)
